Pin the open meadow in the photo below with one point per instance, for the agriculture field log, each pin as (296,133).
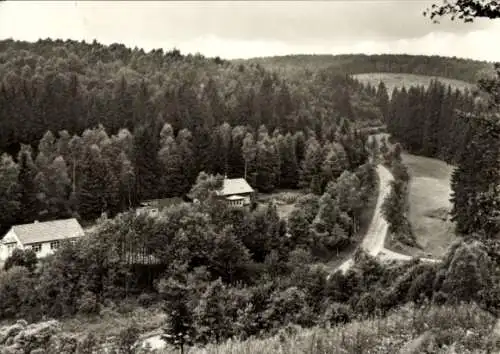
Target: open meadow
(392,80)
(429,205)
(429,199)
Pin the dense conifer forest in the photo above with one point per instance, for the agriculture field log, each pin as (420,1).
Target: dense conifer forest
(461,129)
(426,121)
(453,68)
(148,123)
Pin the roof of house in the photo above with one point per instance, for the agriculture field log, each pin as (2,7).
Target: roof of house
(235,186)
(48,231)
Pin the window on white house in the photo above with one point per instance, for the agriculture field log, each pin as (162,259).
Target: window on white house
(54,245)
(36,247)
(10,247)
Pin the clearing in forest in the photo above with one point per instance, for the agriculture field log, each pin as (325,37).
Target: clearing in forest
(429,200)
(392,80)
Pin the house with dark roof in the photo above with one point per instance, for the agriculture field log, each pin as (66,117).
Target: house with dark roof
(42,237)
(237,192)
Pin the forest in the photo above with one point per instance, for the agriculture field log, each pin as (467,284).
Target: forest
(137,118)
(449,67)
(87,129)
(461,129)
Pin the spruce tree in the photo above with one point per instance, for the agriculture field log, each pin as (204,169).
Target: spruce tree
(179,329)
(98,187)
(173,181)
(267,164)
(383,99)
(289,167)
(9,192)
(211,315)
(185,150)
(27,173)
(229,256)
(475,182)
(146,146)
(58,188)
(248,151)
(310,171)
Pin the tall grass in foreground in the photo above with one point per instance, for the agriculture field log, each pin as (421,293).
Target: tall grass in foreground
(466,327)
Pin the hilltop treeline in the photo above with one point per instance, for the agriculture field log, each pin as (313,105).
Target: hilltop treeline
(56,85)
(454,68)
(88,128)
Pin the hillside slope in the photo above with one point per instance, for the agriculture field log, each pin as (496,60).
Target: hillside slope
(430,204)
(454,68)
(465,328)
(437,329)
(399,80)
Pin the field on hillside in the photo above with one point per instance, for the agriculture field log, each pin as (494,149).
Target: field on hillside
(456,68)
(399,80)
(429,201)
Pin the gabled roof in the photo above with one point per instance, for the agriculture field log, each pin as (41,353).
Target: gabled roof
(233,186)
(9,238)
(48,231)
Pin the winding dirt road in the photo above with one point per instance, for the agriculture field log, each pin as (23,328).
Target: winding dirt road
(373,243)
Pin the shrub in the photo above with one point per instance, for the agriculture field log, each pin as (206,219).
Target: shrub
(337,313)
(21,258)
(17,298)
(87,303)
(127,339)
(147,299)
(87,345)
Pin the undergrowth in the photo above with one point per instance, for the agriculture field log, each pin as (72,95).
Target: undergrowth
(465,326)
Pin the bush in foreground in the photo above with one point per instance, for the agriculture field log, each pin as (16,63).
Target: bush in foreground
(465,327)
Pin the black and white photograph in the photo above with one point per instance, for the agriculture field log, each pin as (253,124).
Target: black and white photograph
(254,177)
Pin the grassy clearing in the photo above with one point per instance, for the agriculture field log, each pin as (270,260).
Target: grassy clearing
(111,321)
(284,199)
(465,327)
(392,80)
(430,204)
(429,200)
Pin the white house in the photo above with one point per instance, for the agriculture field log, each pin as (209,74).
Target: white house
(41,237)
(236,191)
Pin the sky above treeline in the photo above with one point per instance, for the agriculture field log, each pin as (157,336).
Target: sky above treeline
(241,29)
